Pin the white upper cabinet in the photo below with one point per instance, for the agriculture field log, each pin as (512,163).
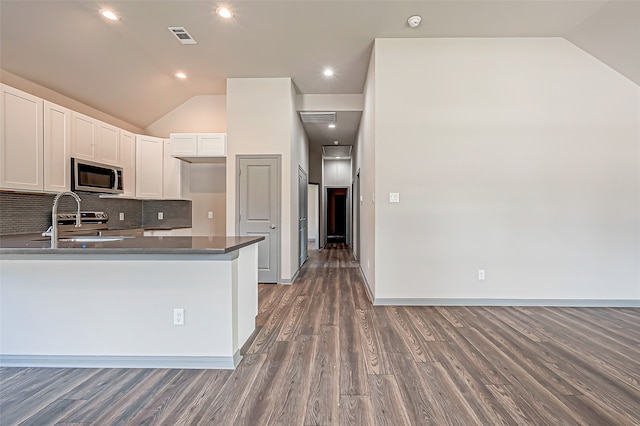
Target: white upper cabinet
(171,173)
(57,148)
(212,144)
(84,136)
(184,144)
(94,140)
(198,147)
(108,144)
(128,163)
(149,164)
(21,140)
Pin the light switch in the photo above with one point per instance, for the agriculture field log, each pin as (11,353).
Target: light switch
(361,198)
(394,197)
(121,216)
(210,215)
(160,215)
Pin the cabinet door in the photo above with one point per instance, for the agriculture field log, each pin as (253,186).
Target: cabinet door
(128,163)
(57,148)
(108,144)
(184,144)
(84,136)
(172,184)
(21,140)
(149,161)
(212,144)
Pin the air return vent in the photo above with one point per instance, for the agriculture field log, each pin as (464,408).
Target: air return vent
(335,151)
(318,117)
(182,35)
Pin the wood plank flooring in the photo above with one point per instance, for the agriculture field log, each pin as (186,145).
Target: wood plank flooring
(323,355)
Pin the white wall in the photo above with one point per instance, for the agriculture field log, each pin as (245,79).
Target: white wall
(259,121)
(337,172)
(517,156)
(65,101)
(203,184)
(365,154)
(299,158)
(207,192)
(200,114)
(313,216)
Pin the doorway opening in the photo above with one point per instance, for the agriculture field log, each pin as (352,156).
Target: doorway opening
(337,215)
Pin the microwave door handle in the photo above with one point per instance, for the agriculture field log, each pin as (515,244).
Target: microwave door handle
(115,174)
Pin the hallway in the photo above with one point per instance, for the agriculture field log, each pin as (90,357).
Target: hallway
(323,355)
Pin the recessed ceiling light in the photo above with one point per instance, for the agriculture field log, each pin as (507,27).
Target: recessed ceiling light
(108,14)
(336,142)
(328,72)
(181,75)
(224,12)
(331,126)
(414,21)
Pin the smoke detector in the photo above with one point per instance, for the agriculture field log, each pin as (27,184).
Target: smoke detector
(414,21)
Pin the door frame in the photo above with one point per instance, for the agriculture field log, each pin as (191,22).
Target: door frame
(356,216)
(303,241)
(347,237)
(278,159)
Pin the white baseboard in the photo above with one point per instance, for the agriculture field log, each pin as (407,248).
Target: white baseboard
(366,285)
(95,361)
(609,303)
(289,282)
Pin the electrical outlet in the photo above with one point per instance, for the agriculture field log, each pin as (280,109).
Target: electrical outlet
(178,316)
(394,197)
(121,216)
(481,274)
(160,215)
(210,215)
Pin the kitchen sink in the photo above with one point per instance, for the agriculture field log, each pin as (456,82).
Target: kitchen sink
(94,238)
(89,238)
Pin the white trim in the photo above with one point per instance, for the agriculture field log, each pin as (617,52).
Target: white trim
(367,286)
(289,282)
(96,361)
(405,301)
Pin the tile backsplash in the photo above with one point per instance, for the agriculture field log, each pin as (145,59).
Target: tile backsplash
(25,213)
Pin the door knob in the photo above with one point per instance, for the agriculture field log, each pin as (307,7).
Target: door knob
(273,226)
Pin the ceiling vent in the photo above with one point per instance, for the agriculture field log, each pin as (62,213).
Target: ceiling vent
(335,151)
(318,117)
(182,35)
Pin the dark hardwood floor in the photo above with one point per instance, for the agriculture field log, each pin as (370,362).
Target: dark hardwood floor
(325,356)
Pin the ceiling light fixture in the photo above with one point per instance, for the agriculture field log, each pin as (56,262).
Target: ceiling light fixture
(224,12)
(110,15)
(414,21)
(328,72)
(332,126)
(181,75)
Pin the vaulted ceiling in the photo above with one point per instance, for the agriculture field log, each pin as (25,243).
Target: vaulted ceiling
(126,68)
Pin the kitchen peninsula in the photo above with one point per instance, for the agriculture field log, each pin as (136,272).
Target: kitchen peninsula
(113,303)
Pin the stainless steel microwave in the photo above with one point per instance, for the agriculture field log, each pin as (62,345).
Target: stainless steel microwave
(95,177)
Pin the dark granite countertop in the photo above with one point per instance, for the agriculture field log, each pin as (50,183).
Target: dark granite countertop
(36,244)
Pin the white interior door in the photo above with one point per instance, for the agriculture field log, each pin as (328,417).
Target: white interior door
(259,208)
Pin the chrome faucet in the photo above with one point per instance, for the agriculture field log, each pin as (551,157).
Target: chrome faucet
(53,230)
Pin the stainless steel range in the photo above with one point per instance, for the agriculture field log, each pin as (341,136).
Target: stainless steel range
(92,223)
